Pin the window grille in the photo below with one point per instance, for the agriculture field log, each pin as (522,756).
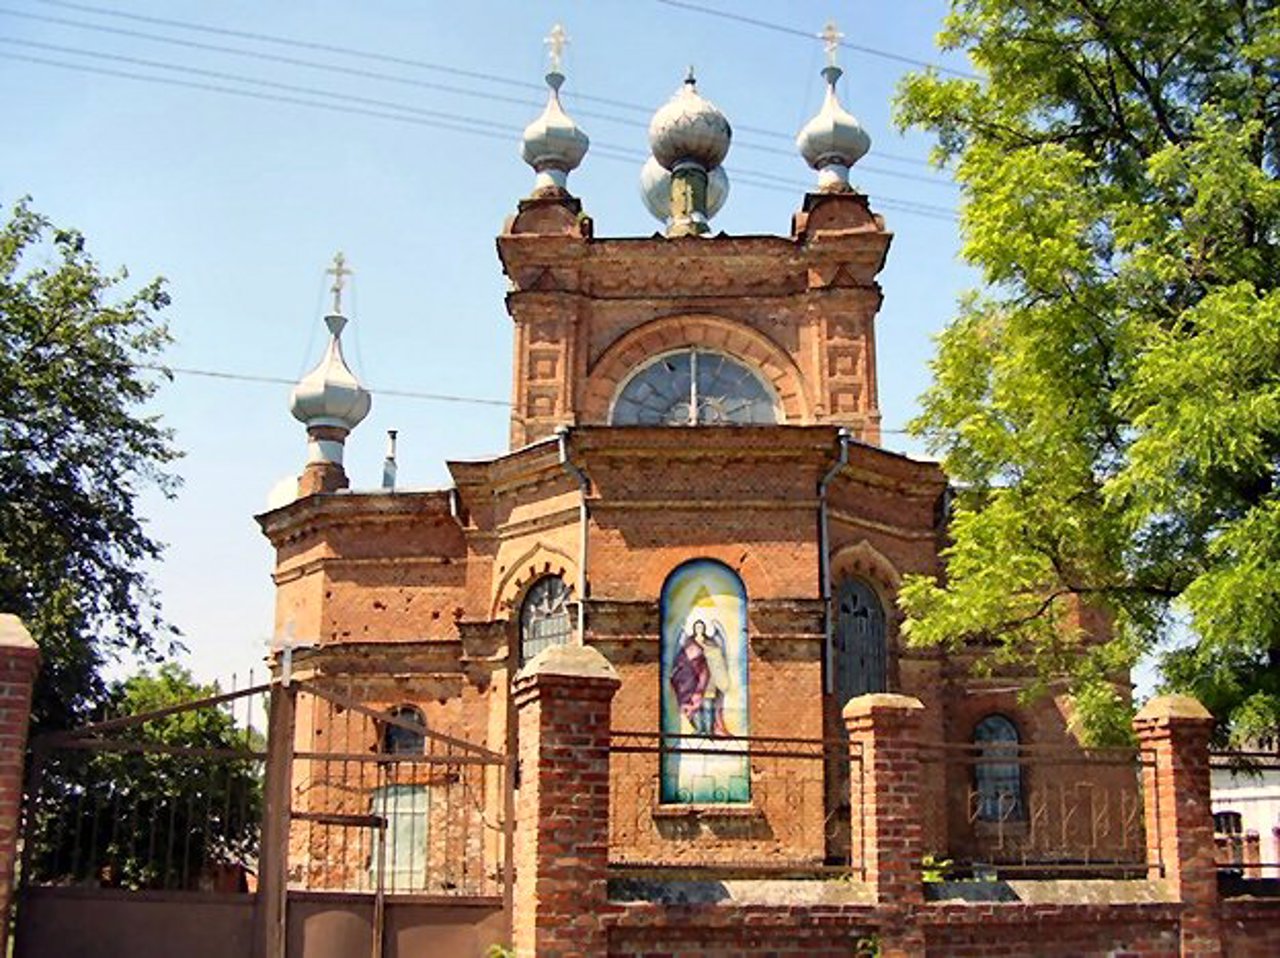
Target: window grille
(397,740)
(998,784)
(544,617)
(860,643)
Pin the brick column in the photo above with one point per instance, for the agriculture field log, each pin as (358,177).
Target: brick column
(885,782)
(562,698)
(1173,731)
(19,663)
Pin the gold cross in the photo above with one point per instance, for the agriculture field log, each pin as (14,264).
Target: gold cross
(831,37)
(556,41)
(339,272)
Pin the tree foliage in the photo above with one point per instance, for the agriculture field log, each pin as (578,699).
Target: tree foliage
(1109,402)
(76,448)
(151,808)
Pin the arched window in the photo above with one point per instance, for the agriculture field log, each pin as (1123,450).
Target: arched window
(996,773)
(703,695)
(398,740)
(694,387)
(544,617)
(859,636)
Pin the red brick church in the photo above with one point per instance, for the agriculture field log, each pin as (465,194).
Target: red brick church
(659,638)
(695,488)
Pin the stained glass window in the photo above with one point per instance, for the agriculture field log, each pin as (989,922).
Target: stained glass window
(544,617)
(859,637)
(997,783)
(695,387)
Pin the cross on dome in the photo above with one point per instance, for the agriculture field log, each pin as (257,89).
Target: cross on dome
(831,37)
(556,41)
(339,272)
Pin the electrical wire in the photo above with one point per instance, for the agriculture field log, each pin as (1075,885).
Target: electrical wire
(282,381)
(796,32)
(401,393)
(487,96)
(389,110)
(374,56)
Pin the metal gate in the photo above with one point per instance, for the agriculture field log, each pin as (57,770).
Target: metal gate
(380,803)
(189,817)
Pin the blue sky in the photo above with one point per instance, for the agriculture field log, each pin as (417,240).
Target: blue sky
(241,201)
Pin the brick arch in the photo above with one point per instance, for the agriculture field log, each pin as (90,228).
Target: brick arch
(533,564)
(699,329)
(865,561)
(743,562)
(862,560)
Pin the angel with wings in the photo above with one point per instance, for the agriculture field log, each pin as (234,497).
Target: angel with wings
(700,677)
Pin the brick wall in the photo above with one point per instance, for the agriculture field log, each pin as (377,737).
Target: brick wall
(947,931)
(19,662)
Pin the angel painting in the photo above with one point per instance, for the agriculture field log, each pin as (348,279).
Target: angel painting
(700,677)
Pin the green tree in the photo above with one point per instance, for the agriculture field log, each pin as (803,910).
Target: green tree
(1109,402)
(161,804)
(76,448)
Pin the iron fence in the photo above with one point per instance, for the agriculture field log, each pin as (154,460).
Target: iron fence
(1037,811)
(171,800)
(787,815)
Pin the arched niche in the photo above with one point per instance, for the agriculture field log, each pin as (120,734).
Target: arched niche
(704,696)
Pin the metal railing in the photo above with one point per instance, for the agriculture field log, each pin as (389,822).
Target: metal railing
(1038,811)
(789,817)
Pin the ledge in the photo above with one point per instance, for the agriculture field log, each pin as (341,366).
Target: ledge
(735,810)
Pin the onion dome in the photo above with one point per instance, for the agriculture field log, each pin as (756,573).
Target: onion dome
(655,189)
(833,140)
(553,144)
(330,395)
(689,128)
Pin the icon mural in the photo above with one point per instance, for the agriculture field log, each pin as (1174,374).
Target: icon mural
(704,685)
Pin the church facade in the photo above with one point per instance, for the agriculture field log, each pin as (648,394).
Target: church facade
(695,487)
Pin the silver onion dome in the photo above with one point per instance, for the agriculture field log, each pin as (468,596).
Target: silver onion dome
(655,189)
(553,144)
(833,140)
(689,128)
(330,395)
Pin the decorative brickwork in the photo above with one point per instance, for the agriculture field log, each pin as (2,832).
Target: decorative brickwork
(801,310)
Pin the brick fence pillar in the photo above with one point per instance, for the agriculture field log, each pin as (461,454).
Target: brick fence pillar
(1173,731)
(884,734)
(562,698)
(19,662)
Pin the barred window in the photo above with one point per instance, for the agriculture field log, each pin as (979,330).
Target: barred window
(996,772)
(398,740)
(859,637)
(544,617)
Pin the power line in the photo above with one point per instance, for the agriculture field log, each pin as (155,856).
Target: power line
(401,393)
(400,113)
(793,31)
(282,381)
(365,55)
(406,81)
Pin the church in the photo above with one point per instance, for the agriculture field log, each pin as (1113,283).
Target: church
(695,488)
